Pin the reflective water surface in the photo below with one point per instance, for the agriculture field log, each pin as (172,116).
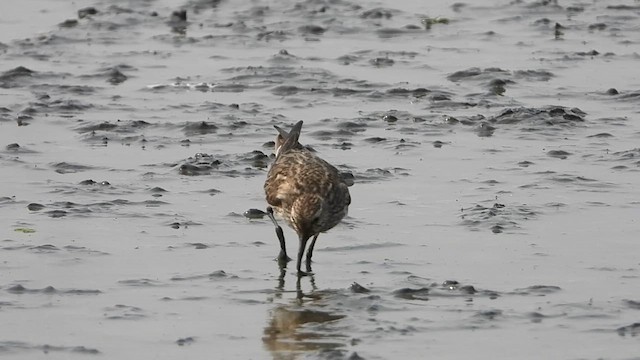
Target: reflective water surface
(494,149)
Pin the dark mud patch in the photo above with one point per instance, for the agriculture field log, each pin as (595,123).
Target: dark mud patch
(11,75)
(559,154)
(412,294)
(490,76)
(81,250)
(35,207)
(4,200)
(50,290)
(358,289)
(199,128)
(182,225)
(403,122)
(254,214)
(198,246)
(629,330)
(601,135)
(121,207)
(186,341)
(15,148)
(9,347)
(124,312)
(70,168)
(487,315)
(548,120)
(114,75)
(52,249)
(211,192)
(579,182)
(119,126)
(446,289)
(216,275)
(538,119)
(143,282)
(44,249)
(498,217)
(379,174)
(229,165)
(632,304)
(538,290)
(629,159)
(120,131)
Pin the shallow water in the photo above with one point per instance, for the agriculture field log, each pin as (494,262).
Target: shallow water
(495,157)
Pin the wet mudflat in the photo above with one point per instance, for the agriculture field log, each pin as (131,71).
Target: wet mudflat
(494,147)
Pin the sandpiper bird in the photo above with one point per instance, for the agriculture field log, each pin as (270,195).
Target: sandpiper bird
(308,192)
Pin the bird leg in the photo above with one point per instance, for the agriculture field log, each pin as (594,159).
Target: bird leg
(283,259)
(303,245)
(310,251)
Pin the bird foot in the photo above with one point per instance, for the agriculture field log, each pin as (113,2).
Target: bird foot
(304,273)
(283,259)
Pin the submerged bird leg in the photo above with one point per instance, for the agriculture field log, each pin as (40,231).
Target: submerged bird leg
(283,259)
(310,251)
(303,245)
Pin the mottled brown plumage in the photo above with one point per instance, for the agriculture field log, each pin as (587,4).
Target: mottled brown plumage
(306,191)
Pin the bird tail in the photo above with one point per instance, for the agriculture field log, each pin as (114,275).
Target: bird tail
(288,140)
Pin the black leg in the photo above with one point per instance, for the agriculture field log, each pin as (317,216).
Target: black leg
(283,259)
(303,245)
(310,251)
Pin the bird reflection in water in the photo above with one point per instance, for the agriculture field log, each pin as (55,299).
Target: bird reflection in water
(299,326)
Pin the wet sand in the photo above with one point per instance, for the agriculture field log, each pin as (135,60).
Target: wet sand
(494,148)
